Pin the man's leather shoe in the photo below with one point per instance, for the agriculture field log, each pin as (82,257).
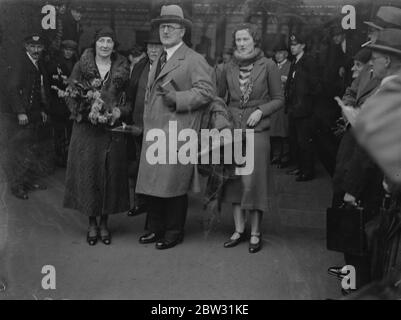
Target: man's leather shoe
(232,243)
(166,244)
(137,210)
(35,186)
(20,193)
(148,238)
(293,172)
(304,177)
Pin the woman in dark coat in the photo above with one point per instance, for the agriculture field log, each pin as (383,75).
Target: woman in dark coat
(255,93)
(97,177)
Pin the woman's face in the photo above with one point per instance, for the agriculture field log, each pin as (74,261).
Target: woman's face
(104,47)
(244,42)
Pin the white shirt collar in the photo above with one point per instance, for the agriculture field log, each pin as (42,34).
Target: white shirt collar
(280,64)
(172,50)
(299,56)
(344,45)
(35,62)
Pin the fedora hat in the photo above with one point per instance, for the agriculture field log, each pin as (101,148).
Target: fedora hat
(386,17)
(389,41)
(172,13)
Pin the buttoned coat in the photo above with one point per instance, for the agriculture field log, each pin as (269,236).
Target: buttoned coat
(266,95)
(25,89)
(195,90)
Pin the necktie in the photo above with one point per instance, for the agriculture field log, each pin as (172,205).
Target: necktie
(161,62)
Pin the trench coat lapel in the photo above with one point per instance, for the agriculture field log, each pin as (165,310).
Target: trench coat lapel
(172,63)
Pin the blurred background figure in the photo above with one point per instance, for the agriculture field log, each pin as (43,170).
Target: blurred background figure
(135,54)
(59,70)
(300,92)
(279,120)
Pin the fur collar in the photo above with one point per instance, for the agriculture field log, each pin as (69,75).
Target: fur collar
(119,68)
(247,59)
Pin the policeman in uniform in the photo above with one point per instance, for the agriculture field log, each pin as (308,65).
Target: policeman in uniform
(29,90)
(300,90)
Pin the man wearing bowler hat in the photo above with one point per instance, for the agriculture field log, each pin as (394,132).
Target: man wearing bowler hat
(136,93)
(179,87)
(29,91)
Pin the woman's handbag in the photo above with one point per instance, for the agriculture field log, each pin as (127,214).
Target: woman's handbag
(345,227)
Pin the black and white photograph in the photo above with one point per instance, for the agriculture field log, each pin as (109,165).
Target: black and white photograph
(200,155)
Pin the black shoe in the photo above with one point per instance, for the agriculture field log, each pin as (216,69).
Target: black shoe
(148,238)
(276,160)
(255,247)
(92,235)
(336,272)
(232,243)
(304,177)
(35,186)
(105,236)
(137,210)
(293,172)
(20,193)
(166,244)
(283,164)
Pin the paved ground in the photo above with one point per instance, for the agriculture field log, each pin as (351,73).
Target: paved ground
(292,264)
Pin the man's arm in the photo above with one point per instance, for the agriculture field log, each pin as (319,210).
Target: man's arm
(202,91)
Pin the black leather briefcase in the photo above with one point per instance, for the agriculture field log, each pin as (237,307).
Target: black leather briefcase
(345,227)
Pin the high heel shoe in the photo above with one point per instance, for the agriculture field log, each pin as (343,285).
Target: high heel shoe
(92,235)
(232,243)
(105,236)
(255,247)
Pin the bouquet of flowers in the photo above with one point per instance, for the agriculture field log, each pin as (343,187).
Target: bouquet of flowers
(89,103)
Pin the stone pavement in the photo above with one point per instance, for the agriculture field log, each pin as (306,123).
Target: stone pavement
(291,265)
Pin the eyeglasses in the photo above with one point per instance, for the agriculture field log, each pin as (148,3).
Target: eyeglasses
(169,27)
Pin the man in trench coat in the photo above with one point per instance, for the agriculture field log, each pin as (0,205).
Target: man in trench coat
(177,103)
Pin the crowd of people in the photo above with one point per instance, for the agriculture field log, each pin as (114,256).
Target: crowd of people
(288,103)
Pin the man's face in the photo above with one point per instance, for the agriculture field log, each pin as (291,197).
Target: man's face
(280,56)
(76,14)
(68,53)
(171,34)
(226,57)
(338,38)
(296,49)
(34,50)
(379,63)
(153,50)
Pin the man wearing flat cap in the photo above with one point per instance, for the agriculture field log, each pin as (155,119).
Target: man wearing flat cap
(59,70)
(136,93)
(179,87)
(29,92)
